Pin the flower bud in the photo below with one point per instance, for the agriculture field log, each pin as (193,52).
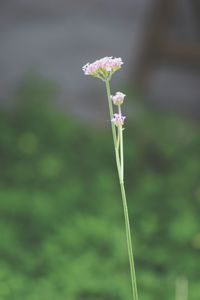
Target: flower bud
(118,99)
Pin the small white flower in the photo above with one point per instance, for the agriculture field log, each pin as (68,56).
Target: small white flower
(103,68)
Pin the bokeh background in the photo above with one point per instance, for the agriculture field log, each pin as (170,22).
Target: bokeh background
(62,232)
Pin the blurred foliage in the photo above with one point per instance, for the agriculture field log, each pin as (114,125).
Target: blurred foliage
(61,226)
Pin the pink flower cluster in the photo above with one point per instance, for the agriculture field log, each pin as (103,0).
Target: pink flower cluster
(103,67)
(118,99)
(118,120)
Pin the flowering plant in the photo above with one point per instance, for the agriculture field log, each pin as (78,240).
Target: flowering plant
(103,69)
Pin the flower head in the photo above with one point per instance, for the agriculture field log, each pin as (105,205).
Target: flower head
(118,98)
(118,120)
(103,68)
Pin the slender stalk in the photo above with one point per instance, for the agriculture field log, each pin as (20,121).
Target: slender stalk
(129,243)
(111,112)
(181,292)
(120,168)
(120,130)
(115,140)
(121,153)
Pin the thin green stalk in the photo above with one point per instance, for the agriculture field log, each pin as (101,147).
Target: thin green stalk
(129,243)
(113,126)
(120,168)
(181,292)
(120,131)
(111,112)
(121,153)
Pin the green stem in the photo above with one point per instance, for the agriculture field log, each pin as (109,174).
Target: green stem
(129,243)
(181,289)
(111,112)
(120,132)
(113,126)
(120,168)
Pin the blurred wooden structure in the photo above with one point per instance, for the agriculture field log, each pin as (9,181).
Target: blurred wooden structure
(170,33)
(167,63)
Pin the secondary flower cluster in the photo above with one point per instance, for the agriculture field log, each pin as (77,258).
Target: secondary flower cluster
(118,120)
(103,68)
(118,100)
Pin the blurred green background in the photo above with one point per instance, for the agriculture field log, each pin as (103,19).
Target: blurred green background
(62,232)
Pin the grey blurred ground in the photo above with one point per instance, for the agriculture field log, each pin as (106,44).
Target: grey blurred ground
(55,38)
